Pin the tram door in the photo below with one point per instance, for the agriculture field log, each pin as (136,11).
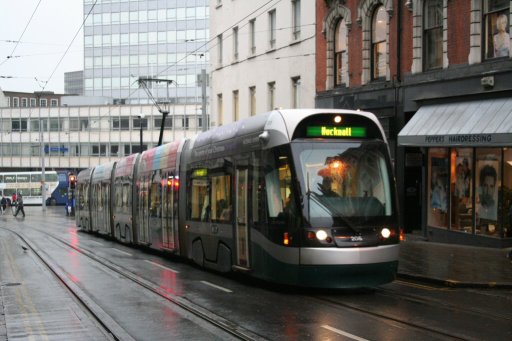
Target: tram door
(143,211)
(169,212)
(241,219)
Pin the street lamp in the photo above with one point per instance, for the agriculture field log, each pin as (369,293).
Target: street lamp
(141,117)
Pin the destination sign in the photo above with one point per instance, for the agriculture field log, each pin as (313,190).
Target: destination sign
(329,131)
(200,172)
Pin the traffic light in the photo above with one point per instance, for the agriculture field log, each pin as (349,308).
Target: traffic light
(72,181)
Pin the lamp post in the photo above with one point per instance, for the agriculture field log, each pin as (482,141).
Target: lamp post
(141,117)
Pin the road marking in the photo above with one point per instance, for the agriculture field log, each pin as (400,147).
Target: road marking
(121,251)
(216,286)
(341,332)
(161,266)
(95,242)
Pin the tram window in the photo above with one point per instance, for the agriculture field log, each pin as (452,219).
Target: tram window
(199,200)
(278,187)
(126,195)
(221,201)
(349,180)
(155,199)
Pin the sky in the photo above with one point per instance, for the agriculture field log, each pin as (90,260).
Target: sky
(43,45)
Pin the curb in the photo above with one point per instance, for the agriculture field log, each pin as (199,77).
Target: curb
(454,283)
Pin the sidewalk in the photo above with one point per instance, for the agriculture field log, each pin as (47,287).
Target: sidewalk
(454,265)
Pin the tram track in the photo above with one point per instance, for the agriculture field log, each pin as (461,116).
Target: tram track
(112,328)
(437,303)
(386,318)
(360,307)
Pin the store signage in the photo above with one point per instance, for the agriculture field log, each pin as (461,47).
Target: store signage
(468,139)
(327,131)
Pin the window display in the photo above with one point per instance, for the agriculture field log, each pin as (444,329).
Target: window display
(488,180)
(473,187)
(461,189)
(438,187)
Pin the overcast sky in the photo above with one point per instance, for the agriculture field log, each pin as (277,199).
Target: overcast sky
(43,44)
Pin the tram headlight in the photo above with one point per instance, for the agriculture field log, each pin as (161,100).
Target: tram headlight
(385,233)
(321,235)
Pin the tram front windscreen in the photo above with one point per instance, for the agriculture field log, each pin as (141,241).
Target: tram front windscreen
(344,182)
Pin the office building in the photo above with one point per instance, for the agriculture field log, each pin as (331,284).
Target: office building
(263,57)
(125,40)
(74,83)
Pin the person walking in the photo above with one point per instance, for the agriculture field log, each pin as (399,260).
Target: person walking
(20,205)
(3,204)
(13,203)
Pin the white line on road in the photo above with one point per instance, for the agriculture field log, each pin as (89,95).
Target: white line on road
(161,266)
(341,332)
(216,286)
(121,251)
(95,242)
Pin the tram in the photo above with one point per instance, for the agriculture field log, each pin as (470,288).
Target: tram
(298,197)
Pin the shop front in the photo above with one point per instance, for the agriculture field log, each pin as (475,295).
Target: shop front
(467,170)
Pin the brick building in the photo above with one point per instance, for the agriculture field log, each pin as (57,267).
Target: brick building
(15,99)
(438,74)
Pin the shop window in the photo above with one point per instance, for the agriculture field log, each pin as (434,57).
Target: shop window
(461,182)
(507,193)
(488,181)
(433,34)
(438,167)
(496,28)
(379,43)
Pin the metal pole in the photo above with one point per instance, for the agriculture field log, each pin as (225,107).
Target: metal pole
(141,117)
(203,94)
(43,183)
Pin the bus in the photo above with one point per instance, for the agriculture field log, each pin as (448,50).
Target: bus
(29,185)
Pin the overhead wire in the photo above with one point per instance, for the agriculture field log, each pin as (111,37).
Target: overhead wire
(208,42)
(69,45)
(22,33)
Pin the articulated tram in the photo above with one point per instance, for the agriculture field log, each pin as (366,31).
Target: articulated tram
(298,197)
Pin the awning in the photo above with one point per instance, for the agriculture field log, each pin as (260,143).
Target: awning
(485,123)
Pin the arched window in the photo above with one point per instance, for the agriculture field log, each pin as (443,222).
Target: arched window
(379,43)
(433,34)
(340,53)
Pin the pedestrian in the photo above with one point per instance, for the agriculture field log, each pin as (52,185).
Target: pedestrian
(13,203)
(3,204)
(20,205)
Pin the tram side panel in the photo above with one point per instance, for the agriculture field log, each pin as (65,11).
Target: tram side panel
(83,207)
(124,199)
(101,198)
(157,184)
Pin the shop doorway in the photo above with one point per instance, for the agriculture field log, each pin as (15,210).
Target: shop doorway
(412,186)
